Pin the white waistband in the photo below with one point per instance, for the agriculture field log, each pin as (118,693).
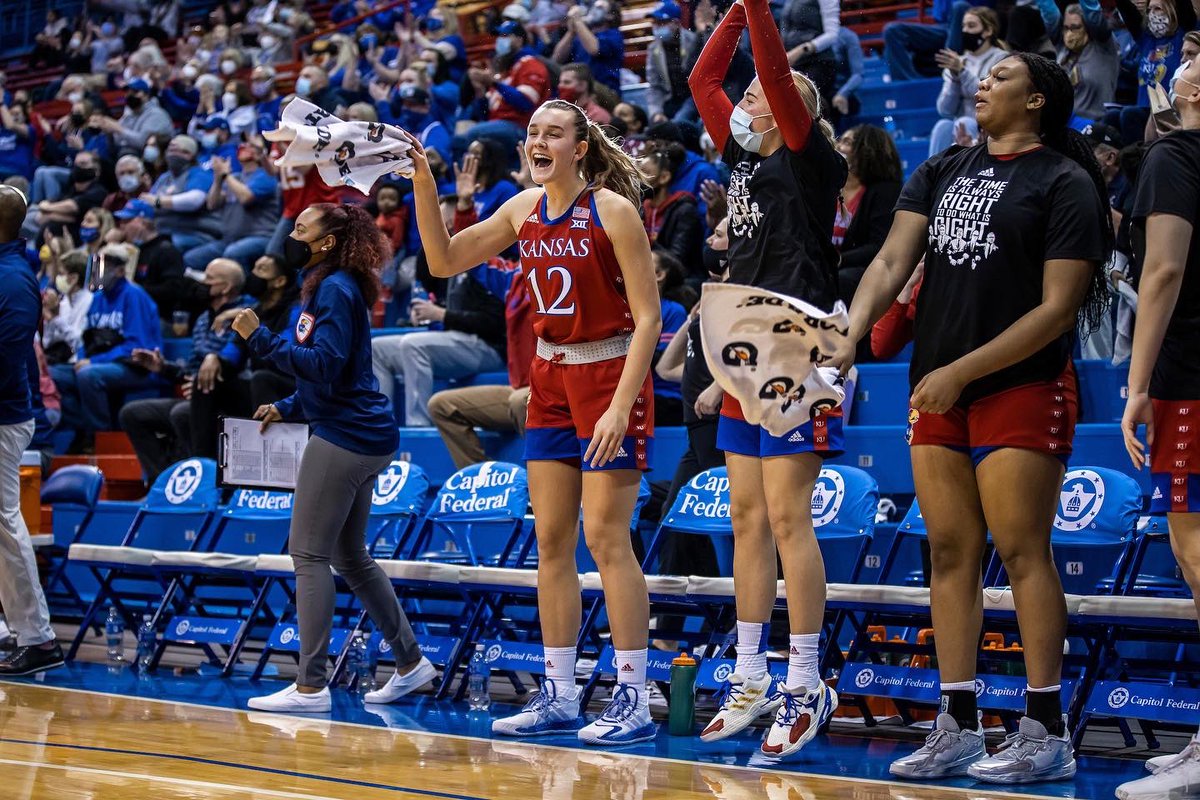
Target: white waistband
(584,352)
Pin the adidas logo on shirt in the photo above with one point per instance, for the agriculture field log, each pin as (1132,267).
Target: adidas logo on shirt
(988,173)
(797,436)
(1157,495)
(532,218)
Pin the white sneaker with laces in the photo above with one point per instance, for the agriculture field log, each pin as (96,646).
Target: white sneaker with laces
(1158,762)
(551,710)
(745,700)
(801,715)
(948,750)
(291,701)
(1177,779)
(626,720)
(399,685)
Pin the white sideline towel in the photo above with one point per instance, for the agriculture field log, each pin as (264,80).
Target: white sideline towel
(345,153)
(766,350)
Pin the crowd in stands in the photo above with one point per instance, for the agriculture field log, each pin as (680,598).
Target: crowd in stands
(157,207)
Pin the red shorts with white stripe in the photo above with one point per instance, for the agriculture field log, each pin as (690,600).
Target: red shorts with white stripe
(1037,416)
(1175,457)
(566,401)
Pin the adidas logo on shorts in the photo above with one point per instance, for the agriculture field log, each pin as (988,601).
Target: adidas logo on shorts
(621,453)
(796,437)
(1157,495)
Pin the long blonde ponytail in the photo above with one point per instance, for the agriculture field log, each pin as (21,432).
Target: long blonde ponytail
(812,101)
(605,163)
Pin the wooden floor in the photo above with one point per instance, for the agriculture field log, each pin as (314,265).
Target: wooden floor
(61,744)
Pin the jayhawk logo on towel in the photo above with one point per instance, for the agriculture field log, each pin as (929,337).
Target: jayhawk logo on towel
(769,352)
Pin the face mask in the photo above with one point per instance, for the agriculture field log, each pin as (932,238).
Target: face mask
(134,102)
(367,42)
(62,283)
(739,126)
(434,24)
(203,54)
(267,42)
(595,16)
(285,14)
(260,89)
(150,154)
(296,254)
(504,45)
(77,120)
(663,32)
(568,93)
(431,69)
(88,234)
(1075,40)
(177,164)
(75,97)
(972,41)
(208,141)
(255,286)
(76,42)
(229,101)
(107,29)
(83,174)
(188,72)
(714,260)
(228,67)
(1158,23)
(303,87)
(128,183)
(400,87)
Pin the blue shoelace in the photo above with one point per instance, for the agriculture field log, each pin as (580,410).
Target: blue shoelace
(623,704)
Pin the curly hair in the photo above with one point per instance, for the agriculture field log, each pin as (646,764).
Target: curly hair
(874,155)
(1049,80)
(361,249)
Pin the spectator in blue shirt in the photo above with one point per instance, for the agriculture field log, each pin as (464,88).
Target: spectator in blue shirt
(267,97)
(440,32)
(72,133)
(411,108)
(20,309)
(216,141)
(695,170)
(122,318)
(248,206)
(593,37)
(179,195)
(16,143)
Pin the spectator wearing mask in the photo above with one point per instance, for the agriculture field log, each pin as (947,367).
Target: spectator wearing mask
(278,308)
(439,31)
(576,85)
(248,207)
(20,591)
(671,219)
(122,318)
(635,117)
(159,268)
(695,170)
(70,135)
(392,218)
(667,60)
(458,412)
(94,229)
(910,48)
(810,32)
(16,142)
(669,273)
(132,182)
(267,98)
(471,341)
(106,43)
(511,98)
(84,193)
(181,96)
(1106,147)
(1157,29)
(300,187)
(961,75)
(238,107)
(65,308)
(143,116)
(1089,54)
(216,141)
(415,115)
(864,214)
(593,37)
(313,85)
(179,195)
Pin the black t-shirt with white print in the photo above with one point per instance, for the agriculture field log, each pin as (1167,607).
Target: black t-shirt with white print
(781,214)
(1169,183)
(993,223)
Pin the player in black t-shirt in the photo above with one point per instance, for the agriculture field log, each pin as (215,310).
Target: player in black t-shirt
(1164,373)
(1015,232)
(786,175)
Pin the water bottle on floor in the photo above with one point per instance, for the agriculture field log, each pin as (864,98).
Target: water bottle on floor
(478,675)
(114,635)
(360,654)
(147,643)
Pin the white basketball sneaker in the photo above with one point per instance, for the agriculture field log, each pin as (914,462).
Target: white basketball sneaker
(801,715)
(1177,779)
(626,720)
(551,710)
(948,750)
(745,700)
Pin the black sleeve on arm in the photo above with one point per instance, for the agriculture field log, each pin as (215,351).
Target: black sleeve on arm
(917,195)
(1133,17)
(876,222)
(1164,185)
(1074,229)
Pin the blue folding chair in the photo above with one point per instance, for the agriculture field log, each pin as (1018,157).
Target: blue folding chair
(214,596)
(700,509)
(477,516)
(76,488)
(1161,577)
(396,506)
(175,516)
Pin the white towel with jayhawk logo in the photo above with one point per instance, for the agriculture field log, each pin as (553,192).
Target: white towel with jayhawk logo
(345,153)
(767,350)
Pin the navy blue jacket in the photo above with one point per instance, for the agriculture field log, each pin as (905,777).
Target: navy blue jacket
(330,358)
(20,312)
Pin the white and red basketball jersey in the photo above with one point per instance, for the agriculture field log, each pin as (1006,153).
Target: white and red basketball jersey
(575,283)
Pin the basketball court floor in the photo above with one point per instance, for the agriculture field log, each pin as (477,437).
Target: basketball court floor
(83,732)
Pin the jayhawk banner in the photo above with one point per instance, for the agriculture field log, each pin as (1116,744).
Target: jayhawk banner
(352,154)
(770,352)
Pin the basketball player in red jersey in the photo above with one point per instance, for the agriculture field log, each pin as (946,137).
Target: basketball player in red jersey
(591,409)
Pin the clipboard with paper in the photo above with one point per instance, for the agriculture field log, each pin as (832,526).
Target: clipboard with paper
(270,459)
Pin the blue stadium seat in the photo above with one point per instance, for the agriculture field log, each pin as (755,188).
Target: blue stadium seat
(477,517)
(881,396)
(397,503)
(71,489)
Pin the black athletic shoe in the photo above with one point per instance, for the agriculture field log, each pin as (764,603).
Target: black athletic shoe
(30,660)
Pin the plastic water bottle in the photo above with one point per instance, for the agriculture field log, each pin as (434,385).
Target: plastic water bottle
(682,708)
(147,643)
(114,634)
(478,676)
(360,664)
(418,294)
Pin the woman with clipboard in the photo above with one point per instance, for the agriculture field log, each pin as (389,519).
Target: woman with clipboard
(340,252)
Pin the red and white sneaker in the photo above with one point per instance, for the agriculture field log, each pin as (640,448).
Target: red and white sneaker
(745,700)
(801,715)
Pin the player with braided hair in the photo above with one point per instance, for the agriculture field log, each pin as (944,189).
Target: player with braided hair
(1015,234)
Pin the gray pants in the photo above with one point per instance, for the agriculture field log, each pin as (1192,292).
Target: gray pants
(418,358)
(20,589)
(329,522)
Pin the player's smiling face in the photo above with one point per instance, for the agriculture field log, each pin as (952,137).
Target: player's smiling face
(551,145)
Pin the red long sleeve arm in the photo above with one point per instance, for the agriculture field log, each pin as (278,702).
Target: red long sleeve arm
(893,330)
(775,76)
(709,74)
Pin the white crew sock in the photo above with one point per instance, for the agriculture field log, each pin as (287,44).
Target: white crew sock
(560,666)
(631,668)
(802,661)
(751,649)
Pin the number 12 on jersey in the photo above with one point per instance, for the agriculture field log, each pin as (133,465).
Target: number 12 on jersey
(557,308)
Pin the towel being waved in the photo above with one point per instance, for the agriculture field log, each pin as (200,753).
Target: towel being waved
(767,350)
(352,154)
